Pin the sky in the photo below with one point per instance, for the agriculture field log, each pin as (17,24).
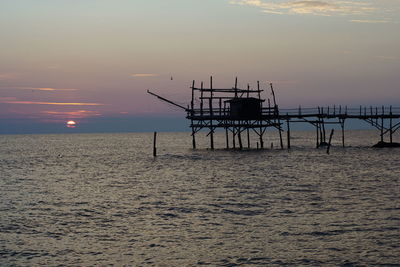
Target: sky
(92,61)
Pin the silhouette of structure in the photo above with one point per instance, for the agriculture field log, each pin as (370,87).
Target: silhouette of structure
(239,111)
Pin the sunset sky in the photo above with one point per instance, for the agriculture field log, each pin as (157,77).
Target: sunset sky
(86,60)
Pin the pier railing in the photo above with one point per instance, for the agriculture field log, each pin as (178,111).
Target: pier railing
(342,111)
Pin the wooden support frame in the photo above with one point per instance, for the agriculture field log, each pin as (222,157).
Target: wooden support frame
(219,113)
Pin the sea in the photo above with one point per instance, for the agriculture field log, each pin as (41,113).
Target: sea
(104,200)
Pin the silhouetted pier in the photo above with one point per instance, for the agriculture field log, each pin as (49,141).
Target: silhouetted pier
(240,111)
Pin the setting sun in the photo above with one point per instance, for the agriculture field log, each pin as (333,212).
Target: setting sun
(71,124)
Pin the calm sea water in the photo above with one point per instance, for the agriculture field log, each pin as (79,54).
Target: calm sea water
(101,199)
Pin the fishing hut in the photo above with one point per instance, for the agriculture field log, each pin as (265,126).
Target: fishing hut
(240,111)
(237,111)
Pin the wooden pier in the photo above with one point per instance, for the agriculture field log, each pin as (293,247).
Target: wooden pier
(239,111)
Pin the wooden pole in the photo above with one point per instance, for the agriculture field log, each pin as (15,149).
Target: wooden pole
(288,133)
(234,137)
(192,114)
(201,99)
(391,125)
(321,135)
(323,125)
(154,144)
(248,137)
(342,125)
(330,140)
(193,137)
(280,134)
(236,83)
(273,94)
(382,129)
(211,114)
(192,102)
(317,132)
(261,138)
(261,106)
(240,139)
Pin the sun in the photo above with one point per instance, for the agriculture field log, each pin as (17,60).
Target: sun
(71,124)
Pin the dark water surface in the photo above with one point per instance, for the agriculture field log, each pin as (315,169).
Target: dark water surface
(101,199)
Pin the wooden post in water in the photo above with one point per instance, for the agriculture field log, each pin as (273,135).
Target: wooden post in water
(154,144)
(330,140)
(342,125)
(201,99)
(280,135)
(391,125)
(211,114)
(234,137)
(259,122)
(323,130)
(192,114)
(248,136)
(288,132)
(320,127)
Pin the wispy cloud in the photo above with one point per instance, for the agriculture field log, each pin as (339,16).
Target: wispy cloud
(144,75)
(77,114)
(7,98)
(49,103)
(323,7)
(7,76)
(45,89)
(369,21)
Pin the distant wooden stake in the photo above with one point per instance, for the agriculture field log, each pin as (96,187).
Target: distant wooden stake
(288,133)
(330,140)
(154,145)
(342,125)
